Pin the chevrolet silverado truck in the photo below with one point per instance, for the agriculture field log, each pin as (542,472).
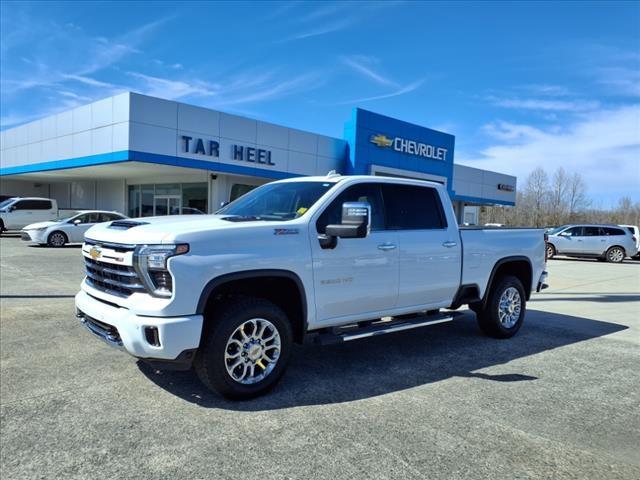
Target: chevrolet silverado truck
(314,259)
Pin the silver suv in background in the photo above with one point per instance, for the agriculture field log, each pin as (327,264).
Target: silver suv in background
(610,243)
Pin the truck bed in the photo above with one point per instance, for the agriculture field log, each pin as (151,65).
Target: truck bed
(482,247)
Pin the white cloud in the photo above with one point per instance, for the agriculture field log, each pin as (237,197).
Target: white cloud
(603,146)
(330,27)
(543,104)
(242,89)
(362,65)
(395,93)
(172,89)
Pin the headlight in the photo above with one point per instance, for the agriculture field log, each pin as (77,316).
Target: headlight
(37,229)
(151,265)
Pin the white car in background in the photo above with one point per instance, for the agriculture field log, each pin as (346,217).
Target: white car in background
(67,230)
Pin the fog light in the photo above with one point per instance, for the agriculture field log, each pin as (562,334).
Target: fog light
(152,336)
(162,280)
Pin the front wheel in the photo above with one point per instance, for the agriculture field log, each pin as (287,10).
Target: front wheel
(245,348)
(615,255)
(56,239)
(504,311)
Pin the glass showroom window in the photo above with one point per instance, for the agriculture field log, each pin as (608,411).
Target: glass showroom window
(167,199)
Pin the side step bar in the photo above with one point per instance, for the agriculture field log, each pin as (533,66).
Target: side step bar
(381,327)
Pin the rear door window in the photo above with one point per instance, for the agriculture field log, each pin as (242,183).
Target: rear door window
(612,231)
(590,231)
(410,207)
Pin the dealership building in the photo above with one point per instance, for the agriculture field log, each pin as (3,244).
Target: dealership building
(146,156)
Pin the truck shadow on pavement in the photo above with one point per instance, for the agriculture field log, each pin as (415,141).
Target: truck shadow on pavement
(389,363)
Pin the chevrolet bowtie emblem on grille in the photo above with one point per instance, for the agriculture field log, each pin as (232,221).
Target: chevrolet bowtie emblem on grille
(381,140)
(95,253)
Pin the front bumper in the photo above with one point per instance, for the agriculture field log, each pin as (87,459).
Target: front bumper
(123,329)
(32,236)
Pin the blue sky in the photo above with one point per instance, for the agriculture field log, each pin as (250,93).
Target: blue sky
(520,85)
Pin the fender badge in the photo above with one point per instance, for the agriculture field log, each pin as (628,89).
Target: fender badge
(286,231)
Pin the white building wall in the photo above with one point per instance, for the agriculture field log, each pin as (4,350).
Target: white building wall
(23,188)
(474,182)
(110,195)
(98,128)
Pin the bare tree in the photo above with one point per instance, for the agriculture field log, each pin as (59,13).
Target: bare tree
(577,196)
(558,201)
(536,196)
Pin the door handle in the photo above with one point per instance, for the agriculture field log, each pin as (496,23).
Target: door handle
(386,247)
(449,244)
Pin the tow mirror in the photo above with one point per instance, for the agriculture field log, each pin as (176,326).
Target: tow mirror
(356,223)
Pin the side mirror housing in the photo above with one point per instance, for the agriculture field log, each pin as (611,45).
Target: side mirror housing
(356,221)
(77,221)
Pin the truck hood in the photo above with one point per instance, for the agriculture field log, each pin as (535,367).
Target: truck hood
(156,230)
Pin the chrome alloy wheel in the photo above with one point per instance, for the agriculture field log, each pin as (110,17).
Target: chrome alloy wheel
(57,239)
(510,307)
(616,255)
(252,351)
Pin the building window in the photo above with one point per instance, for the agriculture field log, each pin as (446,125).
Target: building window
(168,199)
(239,189)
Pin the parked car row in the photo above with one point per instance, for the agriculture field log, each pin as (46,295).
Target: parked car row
(40,220)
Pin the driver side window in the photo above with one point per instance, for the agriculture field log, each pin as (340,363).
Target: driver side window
(364,192)
(573,232)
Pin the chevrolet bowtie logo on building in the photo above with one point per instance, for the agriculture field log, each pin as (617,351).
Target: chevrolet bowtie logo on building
(381,140)
(95,253)
(410,146)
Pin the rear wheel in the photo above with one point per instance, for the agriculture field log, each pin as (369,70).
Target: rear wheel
(615,255)
(56,239)
(245,348)
(551,251)
(503,314)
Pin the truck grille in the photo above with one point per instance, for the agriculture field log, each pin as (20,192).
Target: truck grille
(120,280)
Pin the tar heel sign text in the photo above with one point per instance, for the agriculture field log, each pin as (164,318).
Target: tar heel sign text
(211,148)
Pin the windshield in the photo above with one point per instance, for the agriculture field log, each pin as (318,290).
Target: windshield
(7,202)
(553,231)
(277,201)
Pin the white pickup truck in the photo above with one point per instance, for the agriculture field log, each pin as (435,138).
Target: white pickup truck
(17,212)
(314,259)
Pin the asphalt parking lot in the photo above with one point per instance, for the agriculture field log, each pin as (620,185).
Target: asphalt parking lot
(559,400)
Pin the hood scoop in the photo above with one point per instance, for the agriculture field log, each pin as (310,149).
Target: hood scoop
(126,224)
(241,218)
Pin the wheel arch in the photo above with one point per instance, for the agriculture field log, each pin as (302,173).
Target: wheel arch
(269,284)
(518,266)
(66,236)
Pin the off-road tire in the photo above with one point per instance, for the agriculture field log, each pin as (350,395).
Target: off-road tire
(224,319)
(489,316)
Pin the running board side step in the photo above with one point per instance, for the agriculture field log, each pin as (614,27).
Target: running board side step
(380,327)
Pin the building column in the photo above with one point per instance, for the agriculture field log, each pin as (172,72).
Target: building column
(458,208)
